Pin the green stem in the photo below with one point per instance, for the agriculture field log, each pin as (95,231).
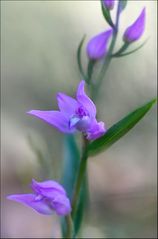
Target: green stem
(121,50)
(90,69)
(80,177)
(108,58)
(69,222)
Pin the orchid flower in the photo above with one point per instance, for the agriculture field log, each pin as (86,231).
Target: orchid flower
(74,115)
(48,196)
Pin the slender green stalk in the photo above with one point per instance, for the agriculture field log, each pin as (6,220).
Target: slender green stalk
(80,177)
(90,69)
(70,229)
(107,59)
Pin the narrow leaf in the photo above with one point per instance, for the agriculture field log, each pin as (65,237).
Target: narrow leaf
(79,58)
(82,205)
(129,52)
(90,70)
(107,16)
(70,170)
(70,166)
(121,50)
(119,129)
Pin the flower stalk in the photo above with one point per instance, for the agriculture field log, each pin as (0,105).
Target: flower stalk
(70,228)
(108,58)
(80,177)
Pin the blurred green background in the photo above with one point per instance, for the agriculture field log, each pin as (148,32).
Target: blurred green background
(38,42)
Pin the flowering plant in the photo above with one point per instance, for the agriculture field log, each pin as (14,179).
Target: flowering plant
(79,115)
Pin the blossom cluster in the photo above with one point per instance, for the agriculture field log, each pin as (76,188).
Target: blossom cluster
(98,45)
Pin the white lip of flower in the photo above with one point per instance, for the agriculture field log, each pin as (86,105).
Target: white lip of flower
(80,123)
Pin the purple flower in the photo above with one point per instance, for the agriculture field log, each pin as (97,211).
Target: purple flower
(109,4)
(48,196)
(97,46)
(75,115)
(135,31)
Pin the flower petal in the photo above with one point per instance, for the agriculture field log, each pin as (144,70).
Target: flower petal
(66,104)
(47,188)
(84,100)
(61,204)
(109,4)
(30,200)
(97,46)
(55,118)
(97,130)
(135,31)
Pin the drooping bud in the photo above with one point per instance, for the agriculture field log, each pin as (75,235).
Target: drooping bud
(136,30)
(97,46)
(109,4)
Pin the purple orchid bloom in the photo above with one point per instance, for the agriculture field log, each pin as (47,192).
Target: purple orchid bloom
(75,115)
(135,31)
(109,4)
(49,196)
(97,46)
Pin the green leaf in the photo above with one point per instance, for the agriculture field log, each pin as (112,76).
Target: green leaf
(122,5)
(121,50)
(119,129)
(79,58)
(121,54)
(90,68)
(106,14)
(70,170)
(82,205)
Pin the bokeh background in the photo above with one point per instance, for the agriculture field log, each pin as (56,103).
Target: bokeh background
(38,49)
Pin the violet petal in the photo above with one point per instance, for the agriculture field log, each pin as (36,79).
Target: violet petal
(66,103)
(30,200)
(84,100)
(97,130)
(47,188)
(55,118)
(136,30)
(109,4)
(61,205)
(97,46)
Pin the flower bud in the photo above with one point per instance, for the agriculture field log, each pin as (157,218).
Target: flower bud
(109,4)
(97,46)
(135,31)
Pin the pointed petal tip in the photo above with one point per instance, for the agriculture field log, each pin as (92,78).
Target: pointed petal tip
(10,197)
(30,112)
(97,45)
(136,30)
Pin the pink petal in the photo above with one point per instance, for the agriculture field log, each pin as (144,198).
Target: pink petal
(66,104)
(97,130)
(84,100)
(109,4)
(97,46)
(30,200)
(61,205)
(55,118)
(47,188)
(136,30)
